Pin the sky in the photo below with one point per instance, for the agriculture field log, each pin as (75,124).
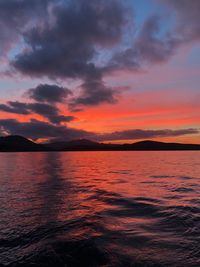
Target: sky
(105,70)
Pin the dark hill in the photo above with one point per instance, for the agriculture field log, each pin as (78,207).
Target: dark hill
(87,145)
(155,145)
(79,144)
(19,143)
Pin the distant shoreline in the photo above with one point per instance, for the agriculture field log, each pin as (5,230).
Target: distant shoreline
(21,144)
(47,151)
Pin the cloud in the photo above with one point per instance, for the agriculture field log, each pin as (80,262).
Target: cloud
(188,19)
(57,119)
(35,129)
(66,46)
(48,93)
(63,37)
(46,98)
(15,107)
(16,16)
(67,39)
(152,45)
(93,92)
(149,47)
(47,111)
(145,134)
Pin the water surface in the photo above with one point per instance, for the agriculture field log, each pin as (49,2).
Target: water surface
(100,209)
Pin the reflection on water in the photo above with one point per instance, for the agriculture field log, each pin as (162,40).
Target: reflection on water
(100,209)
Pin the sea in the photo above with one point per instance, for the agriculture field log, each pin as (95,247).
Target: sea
(120,208)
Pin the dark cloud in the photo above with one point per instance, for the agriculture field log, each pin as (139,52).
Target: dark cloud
(15,107)
(93,92)
(17,15)
(57,119)
(63,39)
(15,12)
(67,46)
(145,134)
(48,93)
(126,59)
(149,47)
(37,129)
(46,97)
(188,19)
(48,111)
(152,46)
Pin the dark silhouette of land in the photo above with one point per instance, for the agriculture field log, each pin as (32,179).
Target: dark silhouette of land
(15,143)
(19,143)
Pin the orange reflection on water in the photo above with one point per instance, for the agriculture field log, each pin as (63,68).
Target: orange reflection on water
(133,204)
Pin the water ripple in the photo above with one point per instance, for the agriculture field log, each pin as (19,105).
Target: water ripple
(100,209)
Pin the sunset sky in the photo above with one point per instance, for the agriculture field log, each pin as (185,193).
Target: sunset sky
(105,70)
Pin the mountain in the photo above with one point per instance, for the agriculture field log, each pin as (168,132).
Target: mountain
(87,145)
(155,145)
(19,143)
(79,144)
